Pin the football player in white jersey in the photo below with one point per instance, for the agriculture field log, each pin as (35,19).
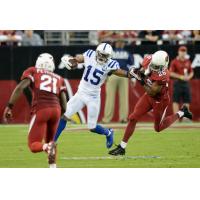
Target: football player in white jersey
(98,65)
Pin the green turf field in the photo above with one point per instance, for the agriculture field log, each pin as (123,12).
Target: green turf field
(178,146)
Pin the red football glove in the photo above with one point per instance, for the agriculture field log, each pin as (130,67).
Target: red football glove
(7,115)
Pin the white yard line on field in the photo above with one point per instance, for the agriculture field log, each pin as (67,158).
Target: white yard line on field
(109,157)
(83,127)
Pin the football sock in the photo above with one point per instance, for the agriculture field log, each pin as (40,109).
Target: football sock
(61,127)
(166,122)
(123,144)
(180,113)
(100,130)
(129,130)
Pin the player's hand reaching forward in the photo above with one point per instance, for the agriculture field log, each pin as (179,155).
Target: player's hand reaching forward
(71,62)
(66,61)
(7,115)
(137,74)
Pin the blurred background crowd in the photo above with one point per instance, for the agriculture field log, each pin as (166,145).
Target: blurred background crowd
(135,37)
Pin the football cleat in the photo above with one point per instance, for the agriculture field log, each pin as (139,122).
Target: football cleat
(186,112)
(51,150)
(117,151)
(109,138)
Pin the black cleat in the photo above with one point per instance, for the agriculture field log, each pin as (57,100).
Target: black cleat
(187,113)
(117,151)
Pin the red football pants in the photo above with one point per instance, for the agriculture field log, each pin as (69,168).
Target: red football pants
(43,127)
(144,105)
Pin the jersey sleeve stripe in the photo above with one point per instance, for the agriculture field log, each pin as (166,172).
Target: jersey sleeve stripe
(87,53)
(113,64)
(90,53)
(110,63)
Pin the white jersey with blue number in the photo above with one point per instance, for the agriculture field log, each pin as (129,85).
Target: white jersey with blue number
(95,74)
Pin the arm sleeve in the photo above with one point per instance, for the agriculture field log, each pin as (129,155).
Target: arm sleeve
(88,53)
(28,73)
(113,65)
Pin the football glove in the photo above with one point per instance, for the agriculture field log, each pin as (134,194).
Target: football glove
(65,60)
(133,72)
(137,74)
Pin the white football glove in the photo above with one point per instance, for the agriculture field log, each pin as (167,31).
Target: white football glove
(65,60)
(133,74)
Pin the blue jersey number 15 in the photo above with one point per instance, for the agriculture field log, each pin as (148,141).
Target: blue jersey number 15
(96,75)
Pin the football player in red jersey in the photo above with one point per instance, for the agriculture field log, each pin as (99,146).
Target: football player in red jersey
(49,101)
(154,76)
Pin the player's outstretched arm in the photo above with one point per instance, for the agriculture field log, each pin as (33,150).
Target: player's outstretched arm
(63,102)
(79,58)
(18,90)
(122,73)
(15,95)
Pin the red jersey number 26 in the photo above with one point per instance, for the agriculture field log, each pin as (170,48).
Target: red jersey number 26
(48,83)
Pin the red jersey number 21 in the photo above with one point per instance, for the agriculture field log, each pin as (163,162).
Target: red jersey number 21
(48,83)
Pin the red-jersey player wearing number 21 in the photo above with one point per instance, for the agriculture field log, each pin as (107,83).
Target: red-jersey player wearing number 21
(154,77)
(49,102)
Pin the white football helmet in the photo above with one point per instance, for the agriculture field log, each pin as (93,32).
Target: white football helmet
(103,53)
(159,61)
(45,61)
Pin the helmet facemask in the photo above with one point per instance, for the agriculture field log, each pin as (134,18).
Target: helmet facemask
(156,68)
(102,58)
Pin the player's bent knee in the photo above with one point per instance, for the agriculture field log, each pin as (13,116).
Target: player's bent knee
(35,147)
(32,149)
